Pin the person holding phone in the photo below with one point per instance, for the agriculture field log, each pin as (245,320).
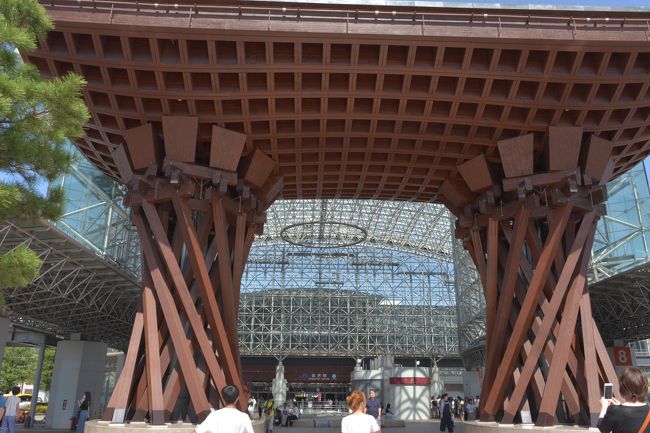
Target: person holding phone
(84,407)
(632,415)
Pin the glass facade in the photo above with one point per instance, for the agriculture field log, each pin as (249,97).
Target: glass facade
(623,235)
(393,293)
(95,216)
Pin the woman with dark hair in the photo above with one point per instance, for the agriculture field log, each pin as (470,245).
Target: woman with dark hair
(632,415)
(358,421)
(84,407)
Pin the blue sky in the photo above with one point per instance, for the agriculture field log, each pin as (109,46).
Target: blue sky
(527,4)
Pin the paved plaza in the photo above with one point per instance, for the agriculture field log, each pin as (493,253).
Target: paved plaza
(411,427)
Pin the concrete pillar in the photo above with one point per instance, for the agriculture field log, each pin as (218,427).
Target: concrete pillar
(37,381)
(407,389)
(471,383)
(5,335)
(79,366)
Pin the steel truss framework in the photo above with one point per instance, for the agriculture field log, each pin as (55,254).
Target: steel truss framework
(420,227)
(360,300)
(76,291)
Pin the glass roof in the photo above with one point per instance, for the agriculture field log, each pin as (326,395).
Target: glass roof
(419,227)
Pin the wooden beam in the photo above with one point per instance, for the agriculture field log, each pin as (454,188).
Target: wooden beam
(591,363)
(479,256)
(558,365)
(179,340)
(116,409)
(519,331)
(229,308)
(550,315)
(153,374)
(505,303)
(219,334)
(182,291)
(492,274)
(238,261)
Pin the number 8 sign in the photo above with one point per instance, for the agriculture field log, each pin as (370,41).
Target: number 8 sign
(622,356)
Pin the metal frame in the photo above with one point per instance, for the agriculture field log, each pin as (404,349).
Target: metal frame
(392,294)
(95,215)
(76,290)
(623,234)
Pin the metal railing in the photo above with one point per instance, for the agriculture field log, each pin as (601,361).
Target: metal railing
(576,21)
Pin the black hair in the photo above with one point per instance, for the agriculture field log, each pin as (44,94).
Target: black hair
(230,394)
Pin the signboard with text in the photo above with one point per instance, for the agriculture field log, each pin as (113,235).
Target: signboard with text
(622,356)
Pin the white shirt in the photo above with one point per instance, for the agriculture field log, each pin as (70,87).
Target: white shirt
(359,423)
(226,420)
(11,403)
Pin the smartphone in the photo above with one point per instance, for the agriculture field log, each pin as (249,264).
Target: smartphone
(608,390)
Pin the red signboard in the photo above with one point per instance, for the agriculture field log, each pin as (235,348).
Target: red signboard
(622,355)
(410,381)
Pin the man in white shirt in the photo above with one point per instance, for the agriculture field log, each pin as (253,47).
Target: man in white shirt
(11,403)
(229,419)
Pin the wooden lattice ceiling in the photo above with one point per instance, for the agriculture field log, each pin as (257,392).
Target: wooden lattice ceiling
(365,104)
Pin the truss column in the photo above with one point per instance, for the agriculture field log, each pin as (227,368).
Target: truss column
(546,214)
(210,212)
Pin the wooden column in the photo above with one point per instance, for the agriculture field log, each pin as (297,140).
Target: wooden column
(529,223)
(196,223)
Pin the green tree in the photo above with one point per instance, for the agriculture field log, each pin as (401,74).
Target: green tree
(37,116)
(48,367)
(19,366)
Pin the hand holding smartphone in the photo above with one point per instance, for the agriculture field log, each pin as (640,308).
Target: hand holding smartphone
(608,390)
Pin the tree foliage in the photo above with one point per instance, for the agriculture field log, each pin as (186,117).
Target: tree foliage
(19,367)
(37,116)
(18,268)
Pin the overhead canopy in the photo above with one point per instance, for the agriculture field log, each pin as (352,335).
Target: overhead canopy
(350,102)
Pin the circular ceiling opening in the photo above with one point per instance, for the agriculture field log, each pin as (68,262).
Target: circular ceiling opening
(323,234)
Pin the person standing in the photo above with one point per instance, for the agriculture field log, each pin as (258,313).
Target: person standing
(251,407)
(470,410)
(373,406)
(633,414)
(11,405)
(260,407)
(228,419)
(358,421)
(434,407)
(269,414)
(3,408)
(84,407)
(447,419)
